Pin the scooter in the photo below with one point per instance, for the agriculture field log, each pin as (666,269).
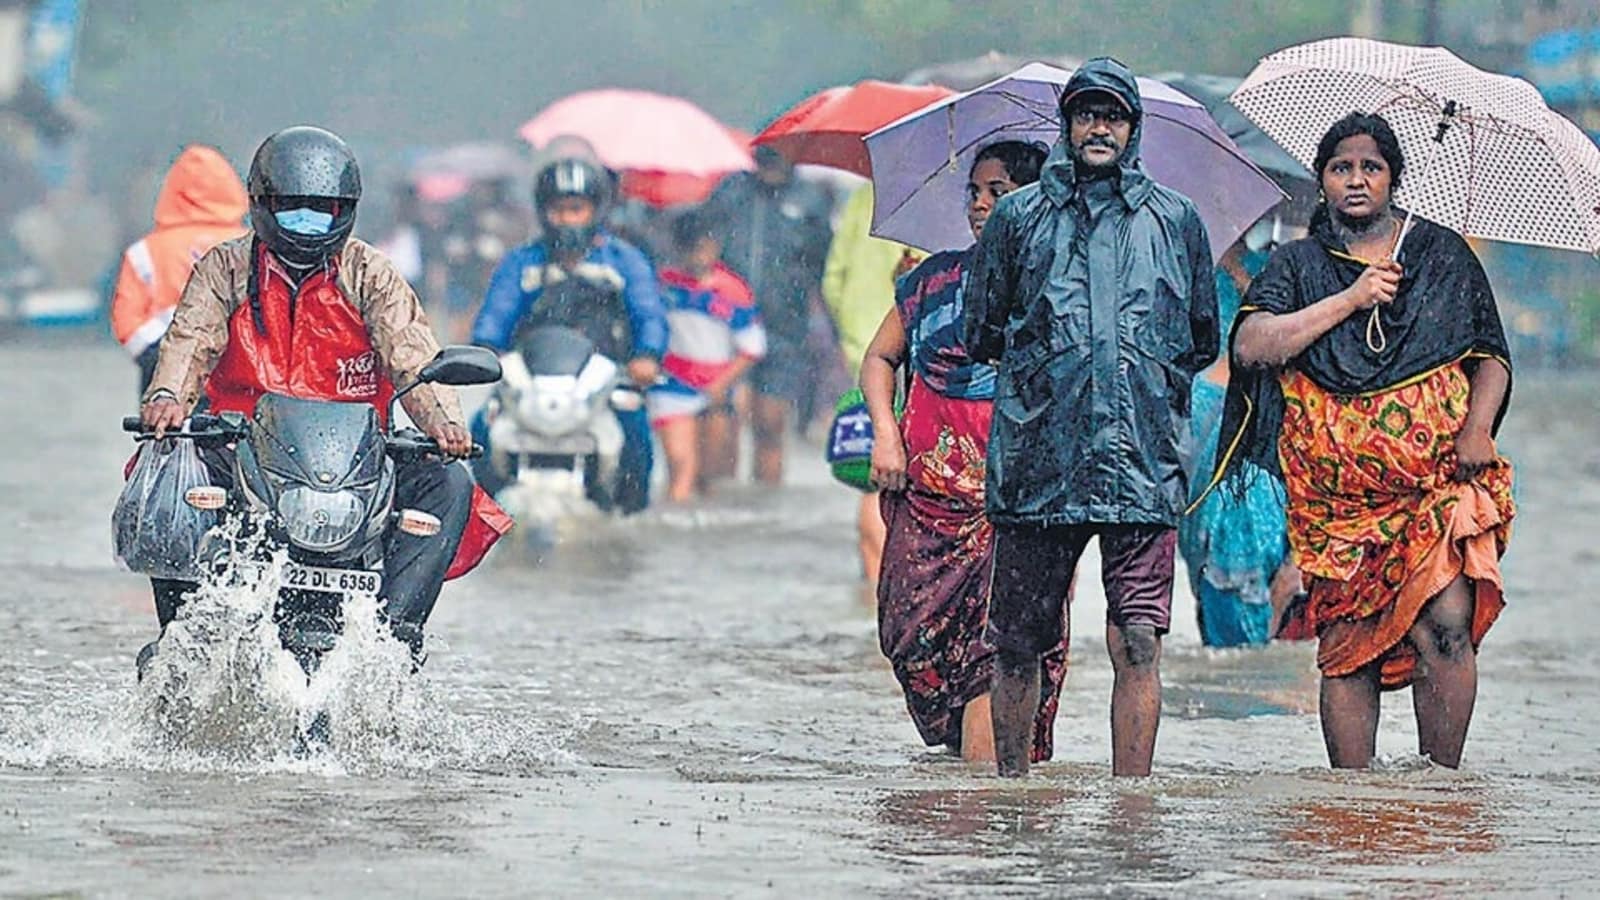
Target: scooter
(553,431)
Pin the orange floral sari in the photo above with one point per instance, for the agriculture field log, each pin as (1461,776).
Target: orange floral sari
(1377,521)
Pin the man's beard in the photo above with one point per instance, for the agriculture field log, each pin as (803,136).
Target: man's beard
(1090,171)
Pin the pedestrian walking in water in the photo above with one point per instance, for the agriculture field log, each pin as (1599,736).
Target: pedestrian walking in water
(1399,503)
(1094,291)
(1235,544)
(933,593)
(714,336)
(774,232)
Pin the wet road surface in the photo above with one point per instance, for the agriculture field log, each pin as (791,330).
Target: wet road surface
(692,703)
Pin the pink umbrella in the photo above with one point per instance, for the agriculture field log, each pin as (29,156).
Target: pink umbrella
(664,189)
(641,131)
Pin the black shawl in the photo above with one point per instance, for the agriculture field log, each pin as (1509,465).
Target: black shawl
(1444,312)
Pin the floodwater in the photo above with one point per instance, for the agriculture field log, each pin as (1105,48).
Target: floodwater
(692,704)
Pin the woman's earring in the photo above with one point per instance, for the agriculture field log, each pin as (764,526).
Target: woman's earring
(1322,196)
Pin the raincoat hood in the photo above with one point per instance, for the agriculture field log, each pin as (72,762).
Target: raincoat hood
(201,188)
(1058,179)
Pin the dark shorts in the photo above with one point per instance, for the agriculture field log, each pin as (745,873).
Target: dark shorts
(783,372)
(1033,569)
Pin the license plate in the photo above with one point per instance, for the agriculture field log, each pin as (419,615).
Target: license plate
(333,581)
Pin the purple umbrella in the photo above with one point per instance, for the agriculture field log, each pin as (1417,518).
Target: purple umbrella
(920,163)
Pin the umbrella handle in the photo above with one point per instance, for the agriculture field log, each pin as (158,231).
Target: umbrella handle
(1377,341)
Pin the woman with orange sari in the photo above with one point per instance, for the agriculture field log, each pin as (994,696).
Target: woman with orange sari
(1375,385)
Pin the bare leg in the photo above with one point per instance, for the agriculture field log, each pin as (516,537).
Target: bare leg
(1446,686)
(977,731)
(678,440)
(1135,696)
(1349,708)
(1286,583)
(871,533)
(1014,703)
(766,424)
(719,450)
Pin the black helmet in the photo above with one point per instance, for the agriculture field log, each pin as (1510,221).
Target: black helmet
(304,168)
(571,178)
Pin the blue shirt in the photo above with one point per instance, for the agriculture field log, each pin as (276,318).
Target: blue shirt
(518,283)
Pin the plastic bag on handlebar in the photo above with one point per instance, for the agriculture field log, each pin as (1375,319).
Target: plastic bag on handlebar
(154,530)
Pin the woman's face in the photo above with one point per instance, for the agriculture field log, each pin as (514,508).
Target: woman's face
(989,182)
(1357,179)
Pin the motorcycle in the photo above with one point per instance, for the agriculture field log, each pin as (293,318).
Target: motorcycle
(314,482)
(555,442)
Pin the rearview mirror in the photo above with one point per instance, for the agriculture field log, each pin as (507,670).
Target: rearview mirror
(462,366)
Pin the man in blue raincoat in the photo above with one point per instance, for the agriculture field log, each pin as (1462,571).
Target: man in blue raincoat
(1093,292)
(578,276)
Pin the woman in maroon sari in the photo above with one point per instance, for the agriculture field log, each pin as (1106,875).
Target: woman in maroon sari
(933,594)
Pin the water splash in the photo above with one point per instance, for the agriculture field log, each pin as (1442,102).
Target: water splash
(222,694)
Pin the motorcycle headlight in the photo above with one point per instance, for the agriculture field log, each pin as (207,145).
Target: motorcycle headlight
(554,408)
(321,521)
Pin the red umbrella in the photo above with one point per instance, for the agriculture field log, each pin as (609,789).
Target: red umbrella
(827,128)
(638,130)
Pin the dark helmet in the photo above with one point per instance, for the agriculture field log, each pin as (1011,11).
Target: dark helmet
(571,178)
(303,168)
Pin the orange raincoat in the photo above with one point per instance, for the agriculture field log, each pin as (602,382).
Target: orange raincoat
(202,203)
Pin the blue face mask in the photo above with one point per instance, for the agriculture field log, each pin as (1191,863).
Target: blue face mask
(304,221)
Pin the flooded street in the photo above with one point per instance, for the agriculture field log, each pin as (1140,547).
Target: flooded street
(692,703)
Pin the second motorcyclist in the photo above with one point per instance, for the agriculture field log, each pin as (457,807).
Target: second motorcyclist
(578,276)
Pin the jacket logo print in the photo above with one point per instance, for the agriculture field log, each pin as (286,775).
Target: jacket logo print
(358,375)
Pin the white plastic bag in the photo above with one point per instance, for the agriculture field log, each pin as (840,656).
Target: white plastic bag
(154,530)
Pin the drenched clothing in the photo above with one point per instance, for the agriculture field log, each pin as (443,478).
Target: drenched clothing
(1377,522)
(1365,442)
(1034,568)
(611,297)
(349,332)
(929,300)
(202,203)
(713,323)
(304,340)
(1096,297)
(380,311)
(933,592)
(1444,312)
(1233,542)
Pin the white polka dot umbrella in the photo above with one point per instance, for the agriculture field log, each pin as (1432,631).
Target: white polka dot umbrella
(1484,155)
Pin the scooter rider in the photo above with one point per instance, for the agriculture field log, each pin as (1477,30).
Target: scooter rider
(299,307)
(578,276)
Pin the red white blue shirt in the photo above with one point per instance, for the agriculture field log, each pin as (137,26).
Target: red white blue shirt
(711,322)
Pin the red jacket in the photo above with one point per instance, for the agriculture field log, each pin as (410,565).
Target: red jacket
(322,351)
